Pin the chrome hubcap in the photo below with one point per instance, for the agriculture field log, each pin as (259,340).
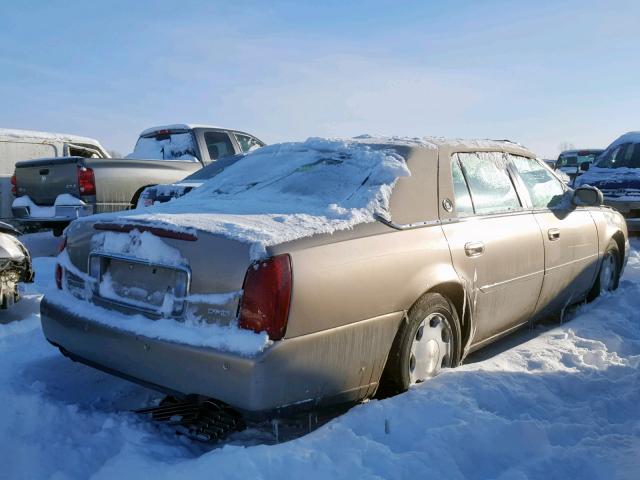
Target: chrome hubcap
(608,273)
(431,348)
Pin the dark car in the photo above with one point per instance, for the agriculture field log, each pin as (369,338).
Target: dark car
(617,174)
(570,161)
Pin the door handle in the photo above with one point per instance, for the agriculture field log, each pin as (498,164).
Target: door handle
(554,234)
(474,249)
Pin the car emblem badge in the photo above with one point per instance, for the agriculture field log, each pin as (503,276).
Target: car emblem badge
(43,178)
(447,205)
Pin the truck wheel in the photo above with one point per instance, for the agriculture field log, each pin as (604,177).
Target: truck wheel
(428,341)
(609,275)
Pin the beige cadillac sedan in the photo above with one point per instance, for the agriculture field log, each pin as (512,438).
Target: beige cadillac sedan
(326,273)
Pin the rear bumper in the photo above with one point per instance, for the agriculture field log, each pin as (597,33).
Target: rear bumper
(627,209)
(61,214)
(292,374)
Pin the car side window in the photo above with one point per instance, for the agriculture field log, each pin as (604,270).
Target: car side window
(218,144)
(464,207)
(545,190)
(247,142)
(489,182)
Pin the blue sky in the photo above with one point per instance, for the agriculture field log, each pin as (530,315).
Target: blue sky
(539,73)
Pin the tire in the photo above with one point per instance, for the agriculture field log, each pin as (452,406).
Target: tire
(417,354)
(608,277)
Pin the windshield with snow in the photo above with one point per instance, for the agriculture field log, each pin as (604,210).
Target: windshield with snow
(166,146)
(626,155)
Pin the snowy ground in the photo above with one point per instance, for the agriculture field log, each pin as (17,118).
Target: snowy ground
(561,401)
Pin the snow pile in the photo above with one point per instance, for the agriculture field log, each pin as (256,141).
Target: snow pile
(287,191)
(192,331)
(558,402)
(145,246)
(48,136)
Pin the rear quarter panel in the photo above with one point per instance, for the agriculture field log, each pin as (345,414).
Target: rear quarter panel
(353,280)
(118,179)
(610,225)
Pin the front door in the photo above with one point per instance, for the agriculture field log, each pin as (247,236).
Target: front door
(496,245)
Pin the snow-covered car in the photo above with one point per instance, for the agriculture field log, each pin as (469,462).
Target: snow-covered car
(166,192)
(617,175)
(325,271)
(571,162)
(15,265)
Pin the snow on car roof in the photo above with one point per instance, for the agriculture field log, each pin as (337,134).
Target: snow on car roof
(178,126)
(626,138)
(65,137)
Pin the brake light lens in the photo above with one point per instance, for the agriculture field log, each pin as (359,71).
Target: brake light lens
(86,181)
(61,247)
(267,296)
(63,244)
(59,276)
(14,185)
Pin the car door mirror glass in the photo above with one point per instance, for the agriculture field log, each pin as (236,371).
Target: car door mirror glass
(587,196)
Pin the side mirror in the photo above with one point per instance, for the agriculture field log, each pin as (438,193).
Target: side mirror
(584,166)
(587,196)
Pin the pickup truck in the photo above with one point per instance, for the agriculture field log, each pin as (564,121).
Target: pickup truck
(16,145)
(51,192)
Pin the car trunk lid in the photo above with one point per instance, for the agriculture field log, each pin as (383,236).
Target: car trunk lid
(160,272)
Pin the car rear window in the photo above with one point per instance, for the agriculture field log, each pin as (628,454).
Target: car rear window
(165,146)
(214,168)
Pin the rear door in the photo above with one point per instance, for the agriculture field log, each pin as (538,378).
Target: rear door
(569,234)
(495,243)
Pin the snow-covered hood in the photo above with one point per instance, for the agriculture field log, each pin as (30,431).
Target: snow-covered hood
(284,192)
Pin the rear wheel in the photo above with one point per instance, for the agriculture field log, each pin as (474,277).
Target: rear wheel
(428,342)
(609,274)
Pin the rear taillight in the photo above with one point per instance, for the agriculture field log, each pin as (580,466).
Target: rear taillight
(59,276)
(86,181)
(14,185)
(266,297)
(61,247)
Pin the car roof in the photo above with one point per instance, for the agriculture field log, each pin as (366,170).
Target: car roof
(32,134)
(453,144)
(180,126)
(575,152)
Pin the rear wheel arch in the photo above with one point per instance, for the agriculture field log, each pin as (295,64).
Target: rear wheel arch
(454,294)
(136,196)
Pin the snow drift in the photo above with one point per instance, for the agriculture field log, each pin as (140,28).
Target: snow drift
(557,402)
